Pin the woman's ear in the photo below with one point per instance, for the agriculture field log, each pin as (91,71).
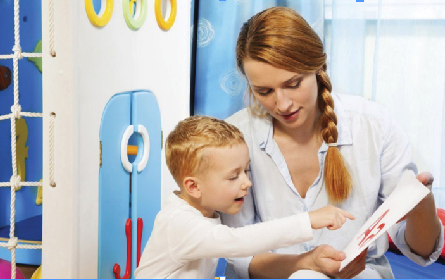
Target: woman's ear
(191,187)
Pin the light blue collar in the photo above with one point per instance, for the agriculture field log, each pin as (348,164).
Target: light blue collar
(263,127)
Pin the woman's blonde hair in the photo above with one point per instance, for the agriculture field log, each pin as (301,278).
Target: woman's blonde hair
(282,38)
(185,144)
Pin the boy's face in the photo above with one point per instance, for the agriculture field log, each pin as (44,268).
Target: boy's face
(225,181)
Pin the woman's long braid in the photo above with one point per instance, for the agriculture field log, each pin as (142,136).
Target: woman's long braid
(337,179)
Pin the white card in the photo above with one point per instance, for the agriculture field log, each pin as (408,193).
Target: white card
(410,192)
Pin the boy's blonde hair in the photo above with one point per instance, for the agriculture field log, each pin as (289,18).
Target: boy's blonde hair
(185,144)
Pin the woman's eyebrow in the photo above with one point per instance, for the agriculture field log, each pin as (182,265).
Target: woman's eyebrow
(259,87)
(293,79)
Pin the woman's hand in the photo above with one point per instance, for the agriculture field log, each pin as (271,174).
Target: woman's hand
(426,179)
(328,260)
(354,267)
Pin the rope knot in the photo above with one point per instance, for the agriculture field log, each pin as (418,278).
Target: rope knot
(16,110)
(17,52)
(12,243)
(15,182)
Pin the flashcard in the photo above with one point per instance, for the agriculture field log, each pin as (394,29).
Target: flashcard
(409,191)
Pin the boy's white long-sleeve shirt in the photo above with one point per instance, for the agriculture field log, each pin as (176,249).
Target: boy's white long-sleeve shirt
(185,244)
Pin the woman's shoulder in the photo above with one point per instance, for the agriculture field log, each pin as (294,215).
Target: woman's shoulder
(243,120)
(240,118)
(255,129)
(358,106)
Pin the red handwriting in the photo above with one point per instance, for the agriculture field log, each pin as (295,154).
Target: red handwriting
(367,234)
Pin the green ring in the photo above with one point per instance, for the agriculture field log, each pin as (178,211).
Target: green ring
(133,23)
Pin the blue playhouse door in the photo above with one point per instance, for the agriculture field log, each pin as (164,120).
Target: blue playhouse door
(129,186)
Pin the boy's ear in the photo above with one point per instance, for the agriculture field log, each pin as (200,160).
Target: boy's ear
(191,187)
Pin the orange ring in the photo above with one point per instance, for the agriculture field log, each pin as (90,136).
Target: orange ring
(166,25)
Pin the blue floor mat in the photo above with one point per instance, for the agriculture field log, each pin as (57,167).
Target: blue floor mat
(404,268)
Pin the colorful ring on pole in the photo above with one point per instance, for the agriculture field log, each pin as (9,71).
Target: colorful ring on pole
(166,25)
(124,143)
(134,23)
(143,131)
(94,18)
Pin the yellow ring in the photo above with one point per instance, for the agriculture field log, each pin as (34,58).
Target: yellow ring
(94,18)
(166,25)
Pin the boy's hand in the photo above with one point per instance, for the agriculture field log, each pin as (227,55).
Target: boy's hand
(330,217)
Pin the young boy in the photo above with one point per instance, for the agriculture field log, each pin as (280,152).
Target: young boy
(209,160)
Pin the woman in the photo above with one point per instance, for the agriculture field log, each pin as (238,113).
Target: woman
(304,155)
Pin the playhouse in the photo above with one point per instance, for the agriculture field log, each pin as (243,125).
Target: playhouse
(90,89)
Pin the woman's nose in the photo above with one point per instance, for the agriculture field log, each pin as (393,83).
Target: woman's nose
(283,101)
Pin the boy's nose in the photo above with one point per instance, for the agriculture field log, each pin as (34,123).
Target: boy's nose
(247,184)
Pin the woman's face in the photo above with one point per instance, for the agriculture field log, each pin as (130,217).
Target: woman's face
(289,97)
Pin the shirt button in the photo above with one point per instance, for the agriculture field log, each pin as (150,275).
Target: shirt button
(306,247)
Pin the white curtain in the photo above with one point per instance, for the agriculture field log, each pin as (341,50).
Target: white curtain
(393,52)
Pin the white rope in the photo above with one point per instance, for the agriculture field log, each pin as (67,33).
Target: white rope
(16,22)
(32,54)
(6,56)
(22,184)
(19,246)
(15,66)
(22,54)
(16,110)
(52,50)
(32,115)
(5,117)
(15,182)
(24,114)
(52,183)
(14,186)
(13,148)
(31,184)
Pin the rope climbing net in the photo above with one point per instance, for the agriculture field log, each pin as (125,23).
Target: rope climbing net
(15,182)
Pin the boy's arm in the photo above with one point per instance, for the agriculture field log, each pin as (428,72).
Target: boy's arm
(200,238)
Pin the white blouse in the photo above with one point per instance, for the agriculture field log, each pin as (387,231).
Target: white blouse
(376,152)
